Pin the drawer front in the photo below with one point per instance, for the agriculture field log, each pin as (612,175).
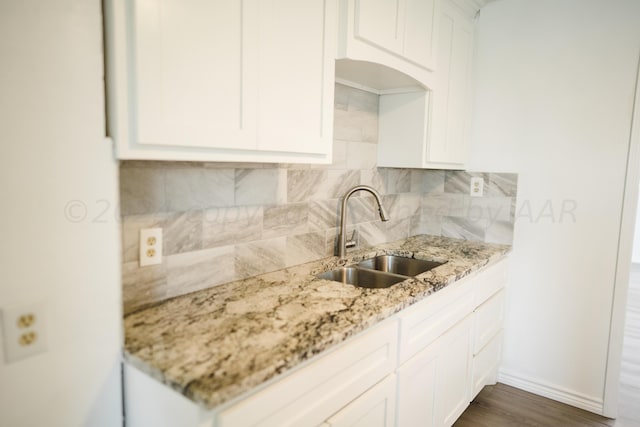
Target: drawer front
(490,280)
(427,320)
(488,319)
(318,390)
(374,408)
(485,365)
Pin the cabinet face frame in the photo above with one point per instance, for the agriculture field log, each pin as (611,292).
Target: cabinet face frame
(241,142)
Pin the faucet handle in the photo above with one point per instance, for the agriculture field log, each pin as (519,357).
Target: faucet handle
(353,241)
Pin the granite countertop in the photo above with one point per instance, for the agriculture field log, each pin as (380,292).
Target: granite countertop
(214,345)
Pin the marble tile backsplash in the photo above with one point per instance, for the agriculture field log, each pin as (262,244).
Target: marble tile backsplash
(228,221)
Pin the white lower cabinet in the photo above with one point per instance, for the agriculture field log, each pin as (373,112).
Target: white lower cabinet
(316,392)
(433,386)
(417,388)
(454,374)
(450,348)
(485,365)
(487,341)
(420,367)
(375,408)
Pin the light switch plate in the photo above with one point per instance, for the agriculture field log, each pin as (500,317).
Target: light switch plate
(150,246)
(24,331)
(477,187)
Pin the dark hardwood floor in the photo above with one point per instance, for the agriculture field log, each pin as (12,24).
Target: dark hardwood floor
(505,406)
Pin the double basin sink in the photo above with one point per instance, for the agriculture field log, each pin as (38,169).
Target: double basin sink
(380,272)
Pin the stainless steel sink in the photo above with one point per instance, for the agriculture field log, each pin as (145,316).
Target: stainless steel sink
(380,272)
(399,265)
(362,277)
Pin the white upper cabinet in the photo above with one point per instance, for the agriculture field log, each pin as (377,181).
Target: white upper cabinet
(429,127)
(227,80)
(191,82)
(379,22)
(398,34)
(419,31)
(295,79)
(451,96)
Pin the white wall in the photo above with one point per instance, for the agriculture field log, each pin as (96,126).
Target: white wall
(555,82)
(52,151)
(636,239)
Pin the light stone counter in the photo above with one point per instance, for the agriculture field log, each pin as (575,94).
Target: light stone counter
(215,344)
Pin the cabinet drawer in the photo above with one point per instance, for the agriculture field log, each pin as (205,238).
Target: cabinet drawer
(311,394)
(488,320)
(485,365)
(375,408)
(429,319)
(490,280)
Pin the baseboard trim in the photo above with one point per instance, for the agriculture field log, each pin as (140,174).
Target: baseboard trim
(551,391)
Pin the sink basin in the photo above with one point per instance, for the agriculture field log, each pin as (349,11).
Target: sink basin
(399,265)
(380,272)
(362,277)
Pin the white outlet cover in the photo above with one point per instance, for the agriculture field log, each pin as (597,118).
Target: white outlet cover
(477,187)
(13,332)
(145,235)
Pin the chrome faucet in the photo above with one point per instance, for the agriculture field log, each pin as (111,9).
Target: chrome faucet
(343,244)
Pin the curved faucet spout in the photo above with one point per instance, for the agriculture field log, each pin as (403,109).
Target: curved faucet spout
(342,238)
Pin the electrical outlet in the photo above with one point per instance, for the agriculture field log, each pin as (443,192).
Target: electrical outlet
(477,187)
(150,246)
(24,331)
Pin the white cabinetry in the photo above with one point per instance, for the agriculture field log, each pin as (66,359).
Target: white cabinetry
(451,96)
(246,80)
(429,128)
(375,408)
(418,368)
(433,387)
(311,395)
(454,374)
(353,382)
(487,346)
(450,349)
(399,34)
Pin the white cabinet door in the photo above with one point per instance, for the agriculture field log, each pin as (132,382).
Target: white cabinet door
(379,22)
(451,95)
(374,408)
(433,386)
(429,128)
(419,32)
(453,376)
(296,75)
(485,365)
(226,80)
(405,28)
(392,42)
(417,388)
(193,77)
